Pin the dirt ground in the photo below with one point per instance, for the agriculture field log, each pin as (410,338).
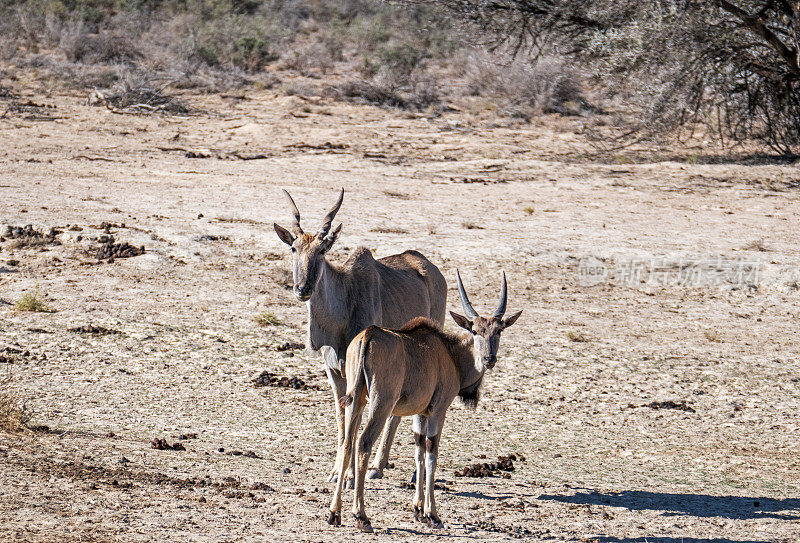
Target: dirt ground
(575,391)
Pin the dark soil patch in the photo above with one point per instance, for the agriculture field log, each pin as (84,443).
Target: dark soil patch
(501,468)
(517,532)
(10,355)
(123,476)
(6,93)
(30,110)
(269,379)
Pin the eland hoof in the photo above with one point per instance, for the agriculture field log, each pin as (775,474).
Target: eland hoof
(335,518)
(363,524)
(374,474)
(418,516)
(433,522)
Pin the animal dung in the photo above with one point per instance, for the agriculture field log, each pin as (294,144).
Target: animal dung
(266,378)
(670,404)
(93,329)
(289,346)
(501,468)
(162,445)
(109,250)
(28,236)
(246,454)
(27,231)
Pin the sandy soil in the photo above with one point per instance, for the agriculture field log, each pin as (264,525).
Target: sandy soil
(570,392)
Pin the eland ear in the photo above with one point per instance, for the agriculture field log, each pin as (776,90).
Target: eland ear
(330,358)
(285,236)
(331,237)
(462,321)
(512,319)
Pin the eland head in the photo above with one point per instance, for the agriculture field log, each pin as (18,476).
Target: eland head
(485,331)
(308,250)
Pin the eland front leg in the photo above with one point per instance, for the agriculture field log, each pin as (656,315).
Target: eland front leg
(433,433)
(339,387)
(351,419)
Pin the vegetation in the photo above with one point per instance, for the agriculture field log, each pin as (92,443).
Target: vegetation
(267,318)
(14,415)
(393,55)
(722,69)
(31,301)
(732,66)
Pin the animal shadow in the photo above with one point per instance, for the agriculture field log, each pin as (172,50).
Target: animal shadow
(698,505)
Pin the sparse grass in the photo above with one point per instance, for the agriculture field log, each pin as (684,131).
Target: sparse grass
(389,230)
(14,414)
(713,335)
(28,241)
(529,210)
(469,225)
(398,195)
(757,245)
(32,301)
(577,336)
(267,318)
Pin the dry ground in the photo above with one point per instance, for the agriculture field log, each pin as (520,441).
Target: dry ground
(570,391)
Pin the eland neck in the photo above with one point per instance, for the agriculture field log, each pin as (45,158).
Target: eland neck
(327,307)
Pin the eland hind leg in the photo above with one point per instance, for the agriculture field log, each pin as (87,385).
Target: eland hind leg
(420,425)
(338,386)
(379,413)
(352,417)
(381,459)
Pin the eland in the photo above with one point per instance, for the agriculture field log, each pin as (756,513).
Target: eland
(417,370)
(344,299)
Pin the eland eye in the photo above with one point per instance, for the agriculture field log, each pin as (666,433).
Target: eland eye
(294,250)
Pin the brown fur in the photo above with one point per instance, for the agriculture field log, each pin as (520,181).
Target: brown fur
(344,298)
(416,369)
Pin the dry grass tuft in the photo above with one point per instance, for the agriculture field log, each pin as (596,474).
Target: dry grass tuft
(713,335)
(14,414)
(577,337)
(31,301)
(267,318)
(757,245)
(398,195)
(389,230)
(471,225)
